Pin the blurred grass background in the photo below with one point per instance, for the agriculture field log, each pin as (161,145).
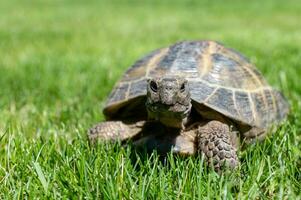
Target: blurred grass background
(59,59)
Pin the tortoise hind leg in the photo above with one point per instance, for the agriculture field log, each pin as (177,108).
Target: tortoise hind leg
(114,131)
(217,143)
(254,134)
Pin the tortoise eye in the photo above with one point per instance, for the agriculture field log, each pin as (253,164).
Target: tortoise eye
(182,88)
(153,86)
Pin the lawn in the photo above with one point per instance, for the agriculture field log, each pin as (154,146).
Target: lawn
(59,59)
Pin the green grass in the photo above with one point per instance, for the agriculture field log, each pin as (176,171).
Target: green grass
(59,59)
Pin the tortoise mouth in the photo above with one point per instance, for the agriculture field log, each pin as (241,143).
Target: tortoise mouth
(170,115)
(176,109)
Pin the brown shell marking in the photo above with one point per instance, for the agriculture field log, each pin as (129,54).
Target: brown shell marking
(219,77)
(225,67)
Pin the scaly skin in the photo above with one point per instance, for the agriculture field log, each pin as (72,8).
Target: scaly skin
(215,142)
(115,130)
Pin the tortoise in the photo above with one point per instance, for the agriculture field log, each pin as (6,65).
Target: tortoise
(193,97)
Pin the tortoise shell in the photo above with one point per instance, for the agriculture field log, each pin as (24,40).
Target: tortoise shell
(218,77)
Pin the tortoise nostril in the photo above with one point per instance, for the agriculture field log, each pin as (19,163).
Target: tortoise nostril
(168,88)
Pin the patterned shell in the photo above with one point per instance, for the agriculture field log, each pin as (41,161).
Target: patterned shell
(218,77)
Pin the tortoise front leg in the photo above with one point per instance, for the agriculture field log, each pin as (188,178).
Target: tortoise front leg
(218,144)
(114,130)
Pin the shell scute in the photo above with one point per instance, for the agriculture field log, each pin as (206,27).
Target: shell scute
(138,88)
(119,93)
(243,106)
(222,99)
(200,90)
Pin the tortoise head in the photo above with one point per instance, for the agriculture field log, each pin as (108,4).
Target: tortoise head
(168,100)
